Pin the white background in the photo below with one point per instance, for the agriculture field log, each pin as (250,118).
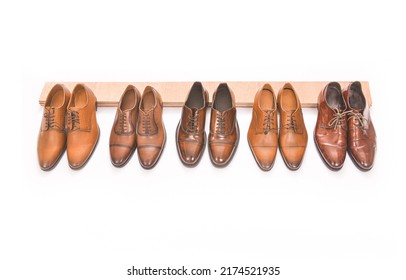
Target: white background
(97,222)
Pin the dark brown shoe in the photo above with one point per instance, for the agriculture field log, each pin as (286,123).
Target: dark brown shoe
(263,130)
(330,134)
(361,132)
(122,136)
(52,134)
(292,134)
(83,130)
(151,135)
(224,130)
(190,133)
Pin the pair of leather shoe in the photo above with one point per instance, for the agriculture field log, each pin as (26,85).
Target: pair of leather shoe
(138,122)
(344,123)
(263,137)
(224,130)
(69,121)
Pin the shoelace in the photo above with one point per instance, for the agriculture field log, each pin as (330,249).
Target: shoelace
(268,121)
(360,120)
(337,120)
(49,116)
(146,123)
(73,119)
(192,123)
(220,124)
(291,122)
(123,123)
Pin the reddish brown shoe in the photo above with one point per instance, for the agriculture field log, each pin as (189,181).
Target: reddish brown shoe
(263,130)
(83,130)
(224,131)
(122,136)
(190,133)
(361,132)
(330,134)
(52,134)
(151,135)
(292,133)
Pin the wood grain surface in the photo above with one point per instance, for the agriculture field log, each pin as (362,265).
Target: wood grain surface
(174,93)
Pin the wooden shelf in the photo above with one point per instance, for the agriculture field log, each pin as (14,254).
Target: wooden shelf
(174,93)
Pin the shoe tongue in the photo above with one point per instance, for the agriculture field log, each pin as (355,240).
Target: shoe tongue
(226,111)
(357,110)
(193,110)
(50,109)
(291,112)
(341,107)
(126,111)
(74,108)
(145,113)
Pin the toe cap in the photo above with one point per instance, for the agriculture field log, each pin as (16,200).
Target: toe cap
(293,156)
(190,152)
(148,156)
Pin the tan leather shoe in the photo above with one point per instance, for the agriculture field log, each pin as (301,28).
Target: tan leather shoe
(122,136)
(361,132)
(83,130)
(151,134)
(263,130)
(330,134)
(190,133)
(52,134)
(292,134)
(224,131)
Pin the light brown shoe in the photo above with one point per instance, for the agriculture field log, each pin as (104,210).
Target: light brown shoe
(122,136)
(330,134)
(52,134)
(293,133)
(224,131)
(151,134)
(190,133)
(361,132)
(263,130)
(83,130)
